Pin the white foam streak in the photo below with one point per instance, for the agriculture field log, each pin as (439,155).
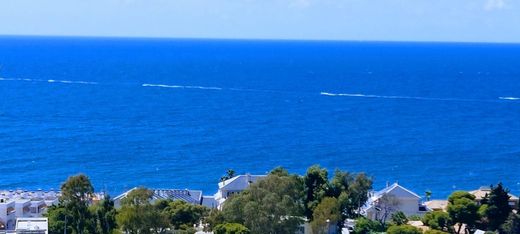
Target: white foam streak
(509,98)
(49,81)
(15,79)
(72,82)
(181,86)
(403,97)
(378,96)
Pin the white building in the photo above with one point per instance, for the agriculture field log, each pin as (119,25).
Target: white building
(209,201)
(234,185)
(7,214)
(24,204)
(32,226)
(401,199)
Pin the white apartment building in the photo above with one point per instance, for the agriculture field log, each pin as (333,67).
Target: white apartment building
(24,204)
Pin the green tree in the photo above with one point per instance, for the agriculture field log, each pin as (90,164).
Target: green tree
(463,209)
(138,216)
(403,229)
(138,196)
(483,222)
(129,219)
(351,191)
(58,217)
(181,213)
(155,221)
(511,225)
(438,220)
(76,194)
(105,215)
(399,218)
(498,208)
(279,171)
(326,213)
(367,226)
(460,194)
(271,205)
(231,228)
(316,187)
(214,218)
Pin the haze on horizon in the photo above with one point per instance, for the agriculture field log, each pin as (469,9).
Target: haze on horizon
(374,20)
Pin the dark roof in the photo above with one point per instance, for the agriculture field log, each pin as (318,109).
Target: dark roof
(190,196)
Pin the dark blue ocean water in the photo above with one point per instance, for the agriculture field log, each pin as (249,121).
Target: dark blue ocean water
(178,113)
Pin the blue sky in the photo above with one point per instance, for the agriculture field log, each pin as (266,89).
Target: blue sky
(383,20)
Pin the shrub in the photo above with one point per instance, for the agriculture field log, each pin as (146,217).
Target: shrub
(399,218)
(435,232)
(231,228)
(366,226)
(438,220)
(414,218)
(403,229)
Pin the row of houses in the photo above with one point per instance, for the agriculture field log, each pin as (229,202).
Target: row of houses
(404,199)
(377,207)
(33,204)
(22,211)
(226,189)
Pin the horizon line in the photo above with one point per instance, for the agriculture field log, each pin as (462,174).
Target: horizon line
(254,39)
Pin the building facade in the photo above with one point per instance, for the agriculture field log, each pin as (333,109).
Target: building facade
(24,204)
(233,186)
(382,204)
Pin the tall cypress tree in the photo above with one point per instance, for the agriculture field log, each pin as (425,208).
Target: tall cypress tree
(498,206)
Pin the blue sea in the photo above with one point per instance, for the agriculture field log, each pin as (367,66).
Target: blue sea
(177,113)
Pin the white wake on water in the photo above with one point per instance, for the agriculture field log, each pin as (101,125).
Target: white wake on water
(17,79)
(50,81)
(416,98)
(509,98)
(180,86)
(392,97)
(358,95)
(71,82)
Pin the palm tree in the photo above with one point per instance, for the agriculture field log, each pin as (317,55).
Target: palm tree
(428,194)
(229,174)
